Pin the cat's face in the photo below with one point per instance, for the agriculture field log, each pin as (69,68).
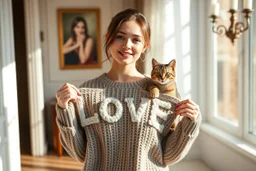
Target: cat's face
(163,73)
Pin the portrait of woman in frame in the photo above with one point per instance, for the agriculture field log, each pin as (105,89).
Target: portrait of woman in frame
(79,38)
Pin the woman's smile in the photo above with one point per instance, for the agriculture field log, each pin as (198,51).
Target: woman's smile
(126,54)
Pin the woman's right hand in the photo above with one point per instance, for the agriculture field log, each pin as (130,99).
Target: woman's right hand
(66,93)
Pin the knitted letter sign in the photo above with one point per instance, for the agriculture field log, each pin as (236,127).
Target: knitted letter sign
(157,111)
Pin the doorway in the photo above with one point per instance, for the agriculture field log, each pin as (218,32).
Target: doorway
(21,73)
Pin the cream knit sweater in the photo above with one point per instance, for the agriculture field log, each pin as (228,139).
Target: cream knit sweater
(117,127)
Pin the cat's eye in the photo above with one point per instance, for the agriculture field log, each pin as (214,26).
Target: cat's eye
(158,74)
(167,74)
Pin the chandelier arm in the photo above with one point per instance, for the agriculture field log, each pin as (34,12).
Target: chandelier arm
(220,30)
(247,16)
(240,27)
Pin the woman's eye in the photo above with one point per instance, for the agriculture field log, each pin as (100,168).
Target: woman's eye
(120,37)
(136,40)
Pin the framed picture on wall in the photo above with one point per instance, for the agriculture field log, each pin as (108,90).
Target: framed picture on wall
(79,38)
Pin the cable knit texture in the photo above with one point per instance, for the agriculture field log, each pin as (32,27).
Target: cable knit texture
(117,127)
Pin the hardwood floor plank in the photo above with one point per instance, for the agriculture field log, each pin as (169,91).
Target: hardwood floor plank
(49,163)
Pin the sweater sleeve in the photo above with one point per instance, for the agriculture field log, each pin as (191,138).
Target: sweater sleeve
(177,143)
(72,135)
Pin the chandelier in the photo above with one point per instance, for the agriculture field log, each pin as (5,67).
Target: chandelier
(236,28)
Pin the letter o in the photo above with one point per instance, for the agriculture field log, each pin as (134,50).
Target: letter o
(104,110)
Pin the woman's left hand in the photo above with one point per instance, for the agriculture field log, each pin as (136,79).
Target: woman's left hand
(188,109)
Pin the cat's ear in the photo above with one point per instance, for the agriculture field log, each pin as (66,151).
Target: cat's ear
(172,63)
(154,62)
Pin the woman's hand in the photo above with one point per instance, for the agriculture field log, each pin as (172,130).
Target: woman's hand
(188,109)
(66,93)
(80,39)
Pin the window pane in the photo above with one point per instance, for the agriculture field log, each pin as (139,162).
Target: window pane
(227,71)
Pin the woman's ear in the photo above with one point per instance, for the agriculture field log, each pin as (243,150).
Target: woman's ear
(144,48)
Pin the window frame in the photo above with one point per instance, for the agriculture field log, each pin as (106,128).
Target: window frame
(249,45)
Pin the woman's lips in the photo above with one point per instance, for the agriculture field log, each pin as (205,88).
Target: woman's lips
(126,54)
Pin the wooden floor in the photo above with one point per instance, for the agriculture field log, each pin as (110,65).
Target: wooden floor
(66,163)
(49,163)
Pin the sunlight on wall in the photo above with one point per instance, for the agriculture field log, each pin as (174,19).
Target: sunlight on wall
(169,50)
(187,86)
(169,39)
(186,64)
(185,46)
(185,40)
(187,76)
(185,12)
(177,42)
(169,21)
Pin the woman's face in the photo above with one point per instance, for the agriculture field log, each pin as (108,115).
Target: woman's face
(128,44)
(79,28)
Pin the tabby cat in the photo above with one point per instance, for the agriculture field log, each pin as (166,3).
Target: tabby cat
(164,76)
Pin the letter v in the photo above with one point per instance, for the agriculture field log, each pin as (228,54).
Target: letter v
(156,112)
(136,116)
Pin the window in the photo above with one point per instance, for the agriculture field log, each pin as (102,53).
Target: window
(227,71)
(234,78)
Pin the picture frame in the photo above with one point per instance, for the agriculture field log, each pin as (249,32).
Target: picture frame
(79,38)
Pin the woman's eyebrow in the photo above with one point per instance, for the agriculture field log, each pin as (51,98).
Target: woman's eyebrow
(127,34)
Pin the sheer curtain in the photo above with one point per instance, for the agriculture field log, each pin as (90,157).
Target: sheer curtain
(154,12)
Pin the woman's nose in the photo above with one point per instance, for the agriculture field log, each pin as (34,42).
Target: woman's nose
(127,44)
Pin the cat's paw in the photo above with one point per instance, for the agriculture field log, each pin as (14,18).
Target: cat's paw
(154,93)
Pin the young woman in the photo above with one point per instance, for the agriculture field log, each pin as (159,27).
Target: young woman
(78,49)
(111,123)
